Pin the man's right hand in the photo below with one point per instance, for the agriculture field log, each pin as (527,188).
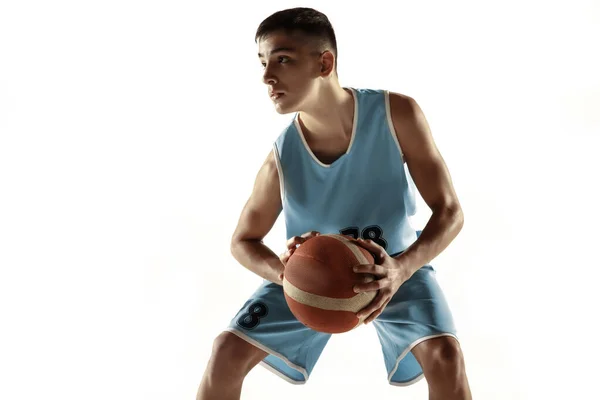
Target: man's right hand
(292,244)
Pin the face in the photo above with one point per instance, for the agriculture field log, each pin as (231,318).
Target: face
(291,70)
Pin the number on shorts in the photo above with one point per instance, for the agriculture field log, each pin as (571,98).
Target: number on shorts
(251,318)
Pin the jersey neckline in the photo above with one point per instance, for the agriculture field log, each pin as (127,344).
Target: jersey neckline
(352,137)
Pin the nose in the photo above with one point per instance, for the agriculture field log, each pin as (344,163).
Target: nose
(268,77)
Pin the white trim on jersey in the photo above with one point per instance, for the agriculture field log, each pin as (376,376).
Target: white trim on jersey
(388,113)
(279,172)
(354,123)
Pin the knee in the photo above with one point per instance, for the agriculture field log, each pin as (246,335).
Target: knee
(446,357)
(229,350)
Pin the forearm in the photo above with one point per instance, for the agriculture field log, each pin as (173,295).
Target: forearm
(258,258)
(441,229)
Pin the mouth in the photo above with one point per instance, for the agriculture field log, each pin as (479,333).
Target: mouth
(276,95)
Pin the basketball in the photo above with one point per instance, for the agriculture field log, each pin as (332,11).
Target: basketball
(318,283)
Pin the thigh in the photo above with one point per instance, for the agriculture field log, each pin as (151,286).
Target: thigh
(416,313)
(266,322)
(420,301)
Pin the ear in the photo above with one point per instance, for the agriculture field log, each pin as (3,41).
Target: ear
(327,63)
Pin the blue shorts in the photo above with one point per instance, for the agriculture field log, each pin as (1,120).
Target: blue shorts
(417,312)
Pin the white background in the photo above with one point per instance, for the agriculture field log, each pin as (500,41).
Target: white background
(130,137)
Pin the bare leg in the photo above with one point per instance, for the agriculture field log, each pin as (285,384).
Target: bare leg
(231,360)
(444,368)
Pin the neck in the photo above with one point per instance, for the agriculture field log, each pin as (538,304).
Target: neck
(330,114)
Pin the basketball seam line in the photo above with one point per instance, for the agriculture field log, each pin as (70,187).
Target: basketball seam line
(353,248)
(351,304)
(318,259)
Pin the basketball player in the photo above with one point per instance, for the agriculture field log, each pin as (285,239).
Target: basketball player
(344,165)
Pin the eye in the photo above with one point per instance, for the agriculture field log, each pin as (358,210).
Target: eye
(280,59)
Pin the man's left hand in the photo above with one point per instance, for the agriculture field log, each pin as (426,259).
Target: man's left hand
(389,274)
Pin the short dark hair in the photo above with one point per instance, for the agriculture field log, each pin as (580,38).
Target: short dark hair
(307,21)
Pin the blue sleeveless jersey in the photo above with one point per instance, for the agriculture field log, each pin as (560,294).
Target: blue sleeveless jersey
(367,192)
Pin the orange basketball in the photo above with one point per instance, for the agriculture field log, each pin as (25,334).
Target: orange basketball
(318,283)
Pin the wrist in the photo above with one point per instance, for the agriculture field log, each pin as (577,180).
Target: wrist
(279,272)
(406,265)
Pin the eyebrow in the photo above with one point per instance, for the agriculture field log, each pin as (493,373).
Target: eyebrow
(279,50)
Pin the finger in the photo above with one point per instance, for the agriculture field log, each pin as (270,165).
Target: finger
(371,286)
(373,269)
(310,234)
(284,257)
(376,314)
(294,241)
(365,278)
(372,306)
(368,243)
(373,316)
(372,247)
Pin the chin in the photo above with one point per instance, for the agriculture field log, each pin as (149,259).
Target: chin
(285,108)
(288,104)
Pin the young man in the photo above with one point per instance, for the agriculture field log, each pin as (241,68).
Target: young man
(339,167)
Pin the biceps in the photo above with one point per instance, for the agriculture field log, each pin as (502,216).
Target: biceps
(423,159)
(263,207)
(256,220)
(433,180)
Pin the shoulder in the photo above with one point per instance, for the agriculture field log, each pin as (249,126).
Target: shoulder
(407,115)
(267,180)
(402,105)
(410,125)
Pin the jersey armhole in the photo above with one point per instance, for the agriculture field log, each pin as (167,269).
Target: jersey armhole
(410,182)
(279,172)
(392,130)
